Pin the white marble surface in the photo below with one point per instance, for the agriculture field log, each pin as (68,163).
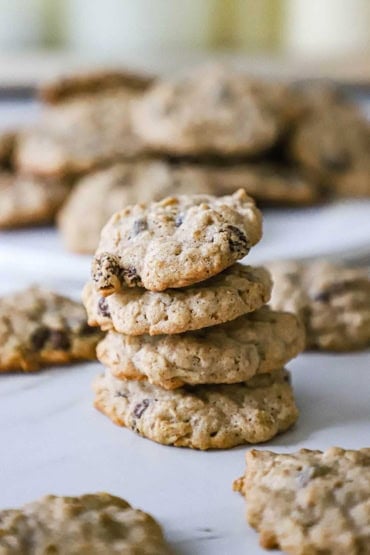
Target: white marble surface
(52,440)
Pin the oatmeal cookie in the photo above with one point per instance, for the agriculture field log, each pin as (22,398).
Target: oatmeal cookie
(175,242)
(39,328)
(202,417)
(332,301)
(309,501)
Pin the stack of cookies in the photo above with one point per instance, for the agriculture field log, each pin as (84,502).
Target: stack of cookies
(193,356)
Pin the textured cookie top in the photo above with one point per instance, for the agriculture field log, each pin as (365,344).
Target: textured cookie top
(224,297)
(203,417)
(26,200)
(80,134)
(175,242)
(255,343)
(309,501)
(96,197)
(92,82)
(92,524)
(212,109)
(38,328)
(333,302)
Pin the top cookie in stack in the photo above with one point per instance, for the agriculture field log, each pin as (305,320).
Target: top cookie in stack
(216,378)
(176,242)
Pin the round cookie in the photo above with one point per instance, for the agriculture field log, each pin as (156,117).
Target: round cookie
(175,242)
(78,135)
(255,343)
(203,417)
(92,82)
(224,297)
(332,301)
(39,328)
(211,110)
(91,524)
(27,200)
(309,501)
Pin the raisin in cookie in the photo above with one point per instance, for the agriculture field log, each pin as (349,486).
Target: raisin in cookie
(78,135)
(255,343)
(96,197)
(92,82)
(214,110)
(91,524)
(309,501)
(39,328)
(224,297)
(332,301)
(175,242)
(27,200)
(203,417)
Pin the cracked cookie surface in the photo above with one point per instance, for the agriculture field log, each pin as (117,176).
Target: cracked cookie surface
(175,242)
(39,328)
(332,301)
(91,524)
(309,501)
(255,343)
(202,417)
(224,297)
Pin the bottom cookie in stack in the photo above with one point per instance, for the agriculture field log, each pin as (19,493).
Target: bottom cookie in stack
(202,417)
